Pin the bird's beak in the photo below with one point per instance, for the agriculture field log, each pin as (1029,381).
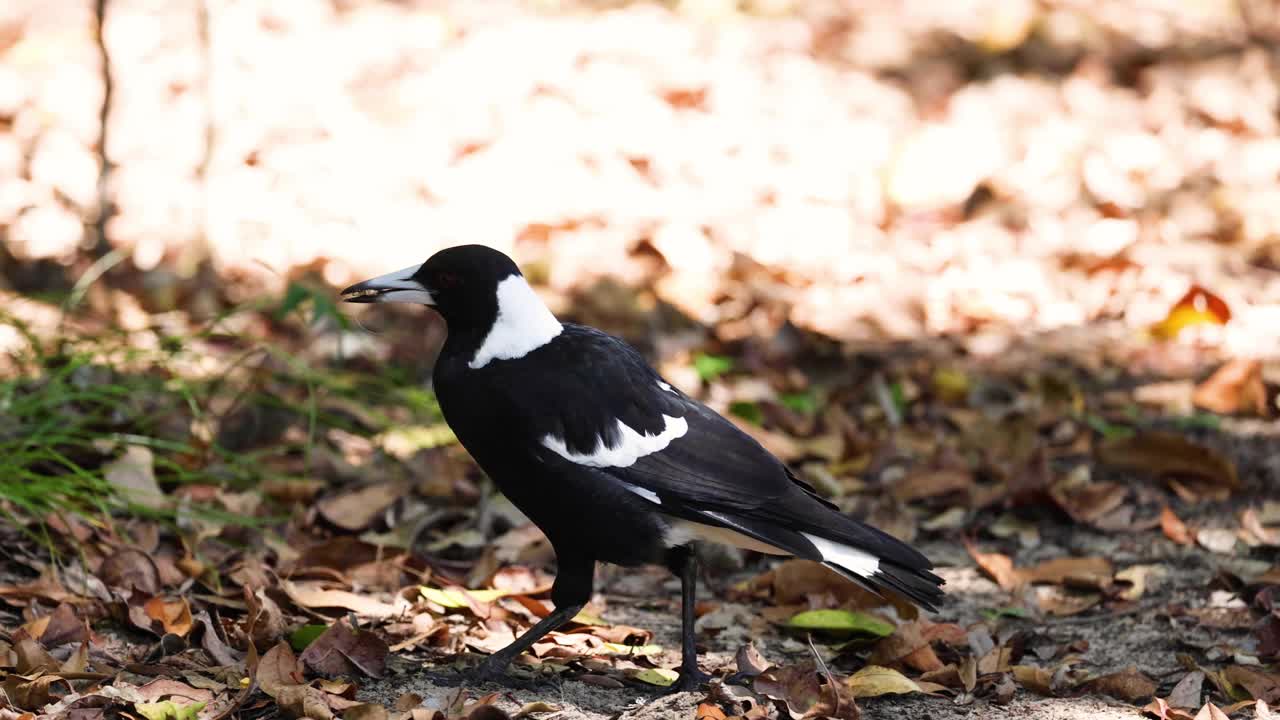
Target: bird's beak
(395,287)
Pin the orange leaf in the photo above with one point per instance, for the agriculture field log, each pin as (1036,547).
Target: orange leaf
(1236,387)
(1197,307)
(999,567)
(1175,529)
(172,613)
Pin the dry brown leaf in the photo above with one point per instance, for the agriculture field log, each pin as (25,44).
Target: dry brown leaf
(1186,694)
(1252,523)
(924,484)
(173,614)
(804,693)
(278,669)
(749,661)
(1088,502)
(1163,711)
(343,650)
(130,569)
(31,657)
(1091,572)
(707,711)
(907,644)
(1211,712)
(31,693)
(999,567)
(1235,388)
(264,622)
(355,510)
(1037,680)
(1260,685)
(311,594)
(1129,685)
(1174,528)
(1170,454)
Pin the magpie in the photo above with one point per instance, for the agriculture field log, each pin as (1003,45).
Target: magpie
(609,460)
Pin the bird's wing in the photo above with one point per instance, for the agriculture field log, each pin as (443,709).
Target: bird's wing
(606,408)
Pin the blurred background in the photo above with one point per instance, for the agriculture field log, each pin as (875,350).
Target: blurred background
(865,171)
(1001,276)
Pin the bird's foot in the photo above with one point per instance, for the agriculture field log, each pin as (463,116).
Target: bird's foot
(690,679)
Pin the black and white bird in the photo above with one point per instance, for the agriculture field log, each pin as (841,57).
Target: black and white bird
(610,461)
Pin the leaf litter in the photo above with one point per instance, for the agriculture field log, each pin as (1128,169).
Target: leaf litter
(234,525)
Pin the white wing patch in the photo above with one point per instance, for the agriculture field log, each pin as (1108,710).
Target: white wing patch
(630,447)
(523,324)
(645,493)
(852,559)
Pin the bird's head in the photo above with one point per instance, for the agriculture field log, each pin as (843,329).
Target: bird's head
(479,291)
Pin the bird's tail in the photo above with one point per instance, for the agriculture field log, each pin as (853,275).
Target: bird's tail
(870,557)
(885,564)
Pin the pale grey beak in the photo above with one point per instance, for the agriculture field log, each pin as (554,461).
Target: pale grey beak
(394,287)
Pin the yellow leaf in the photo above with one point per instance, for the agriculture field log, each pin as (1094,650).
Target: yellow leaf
(458,598)
(876,680)
(661,677)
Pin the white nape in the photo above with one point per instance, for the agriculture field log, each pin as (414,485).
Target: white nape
(523,324)
(629,447)
(858,562)
(682,532)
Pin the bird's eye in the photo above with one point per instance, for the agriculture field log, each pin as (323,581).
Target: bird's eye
(447,280)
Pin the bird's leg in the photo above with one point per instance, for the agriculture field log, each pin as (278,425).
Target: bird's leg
(570,593)
(496,664)
(684,563)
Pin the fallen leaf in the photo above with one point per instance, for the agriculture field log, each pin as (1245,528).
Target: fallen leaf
(1162,711)
(1211,712)
(1261,534)
(133,476)
(1263,711)
(1174,528)
(129,570)
(367,711)
(707,711)
(1037,680)
(537,706)
(169,710)
(173,614)
(342,650)
(1128,685)
(315,595)
(355,510)
(1088,502)
(279,668)
(999,567)
(458,598)
(876,680)
(31,657)
(1260,685)
(30,692)
(1217,540)
(801,689)
(841,622)
(1198,306)
(924,484)
(1170,454)
(749,661)
(907,645)
(661,677)
(1186,694)
(1235,388)
(59,627)
(1092,572)
(264,622)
